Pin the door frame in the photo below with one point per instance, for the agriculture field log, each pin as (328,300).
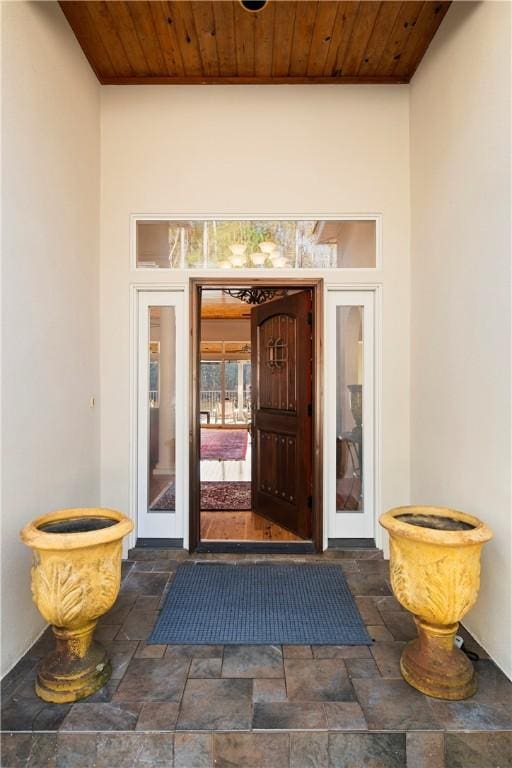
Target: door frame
(317,288)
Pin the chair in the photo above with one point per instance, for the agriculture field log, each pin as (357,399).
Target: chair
(230,412)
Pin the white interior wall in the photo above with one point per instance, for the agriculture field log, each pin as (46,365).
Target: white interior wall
(461,353)
(249,151)
(50,314)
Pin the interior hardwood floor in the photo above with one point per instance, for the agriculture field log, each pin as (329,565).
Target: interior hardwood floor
(242,526)
(229,525)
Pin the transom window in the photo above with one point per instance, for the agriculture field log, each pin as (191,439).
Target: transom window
(260,244)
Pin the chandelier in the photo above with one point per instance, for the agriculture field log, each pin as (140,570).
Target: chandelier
(254,295)
(268,252)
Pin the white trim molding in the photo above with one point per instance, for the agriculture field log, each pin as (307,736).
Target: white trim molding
(177,294)
(348,524)
(160,524)
(367,281)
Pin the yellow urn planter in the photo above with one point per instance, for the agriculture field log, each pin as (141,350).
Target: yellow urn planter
(76,576)
(435,574)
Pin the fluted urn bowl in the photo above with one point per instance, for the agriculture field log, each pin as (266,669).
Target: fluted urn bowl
(76,575)
(435,574)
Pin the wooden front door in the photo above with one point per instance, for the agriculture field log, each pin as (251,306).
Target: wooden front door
(282,368)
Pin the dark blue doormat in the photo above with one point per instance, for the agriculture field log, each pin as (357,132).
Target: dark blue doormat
(222,604)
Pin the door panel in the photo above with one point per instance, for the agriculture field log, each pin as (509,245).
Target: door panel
(278,385)
(282,414)
(278,465)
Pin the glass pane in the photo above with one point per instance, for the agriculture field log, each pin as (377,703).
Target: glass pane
(162,409)
(247,391)
(210,399)
(322,244)
(349,409)
(237,394)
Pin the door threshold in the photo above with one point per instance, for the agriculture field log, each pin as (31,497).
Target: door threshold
(351,543)
(148,543)
(257,547)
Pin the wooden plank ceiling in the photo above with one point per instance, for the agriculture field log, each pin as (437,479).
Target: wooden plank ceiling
(285,42)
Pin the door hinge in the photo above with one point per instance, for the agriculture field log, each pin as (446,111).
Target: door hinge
(310,318)
(310,502)
(310,409)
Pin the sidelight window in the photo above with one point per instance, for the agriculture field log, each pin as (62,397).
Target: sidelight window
(350,397)
(349,409)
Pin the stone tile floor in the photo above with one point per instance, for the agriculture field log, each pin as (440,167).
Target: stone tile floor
(255,706)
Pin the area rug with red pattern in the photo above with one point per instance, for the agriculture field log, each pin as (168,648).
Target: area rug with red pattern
(215,496)
(233,495)
(224,444)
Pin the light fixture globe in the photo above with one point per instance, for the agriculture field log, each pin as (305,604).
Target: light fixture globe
(258,259)
(278,260)
(238,249)
(238,261)
(267,246)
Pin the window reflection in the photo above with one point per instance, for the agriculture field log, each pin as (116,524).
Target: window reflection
(162,409)
(349,409)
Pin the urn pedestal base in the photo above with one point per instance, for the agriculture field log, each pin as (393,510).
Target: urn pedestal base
(435,666)
(77,668)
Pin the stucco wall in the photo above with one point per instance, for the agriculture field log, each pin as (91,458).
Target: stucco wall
(461,353)
(255,150)
(50,349)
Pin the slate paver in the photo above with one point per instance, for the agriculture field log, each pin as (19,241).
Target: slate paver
(478,750)
(286,716)
(317,680)
(309,750)
(253,661)
(251,750)
(153,680)
(193,749)
(216,705)
(101,717)
(424,749)
(371,750)
(393,705)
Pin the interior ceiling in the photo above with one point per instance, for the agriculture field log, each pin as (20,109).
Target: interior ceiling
(286,42)
(217,305)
